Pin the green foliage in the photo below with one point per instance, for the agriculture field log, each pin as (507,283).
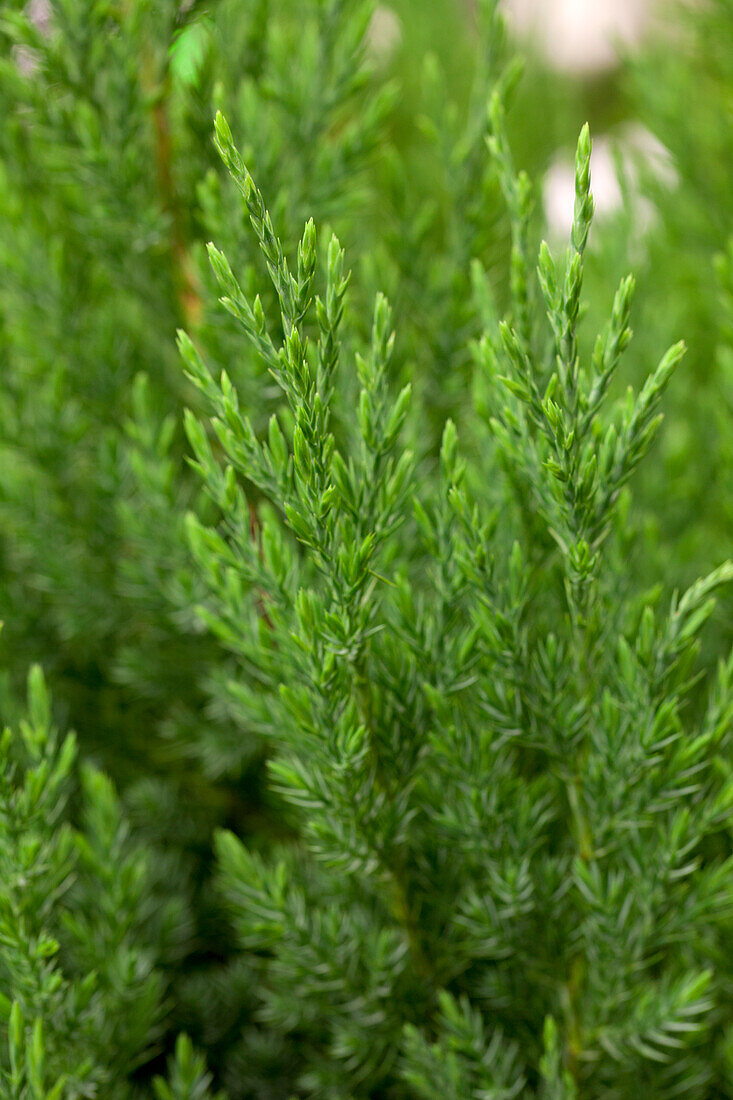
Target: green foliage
(77,928)
(419,754)
(680,89)
(505,810)
(108,176)
(188,1077)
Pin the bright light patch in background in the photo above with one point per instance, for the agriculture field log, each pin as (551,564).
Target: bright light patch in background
(579,36)
(384,33)
(628,149)
(39,12)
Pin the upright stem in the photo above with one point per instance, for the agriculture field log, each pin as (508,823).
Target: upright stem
(583,634)
(187,291)
(401,906)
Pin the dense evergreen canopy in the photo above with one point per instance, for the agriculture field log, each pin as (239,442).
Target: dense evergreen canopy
(384,605)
